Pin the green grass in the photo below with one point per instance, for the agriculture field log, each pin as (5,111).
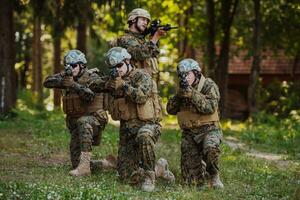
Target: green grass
(268,133)
(35,163)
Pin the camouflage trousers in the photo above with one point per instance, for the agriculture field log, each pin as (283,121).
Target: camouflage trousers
(200,153)
(85,131)
(136,148)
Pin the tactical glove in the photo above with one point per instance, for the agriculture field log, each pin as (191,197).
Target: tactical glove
(115,84)
(185,93)
(68,81)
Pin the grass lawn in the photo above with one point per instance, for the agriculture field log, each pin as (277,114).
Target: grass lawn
(35,163)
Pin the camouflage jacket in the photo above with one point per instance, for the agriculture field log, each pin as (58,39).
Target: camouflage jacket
(144,53)
(204,102)
(138,87)
(85,77)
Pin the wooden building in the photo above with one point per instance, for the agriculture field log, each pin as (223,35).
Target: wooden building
(273,67)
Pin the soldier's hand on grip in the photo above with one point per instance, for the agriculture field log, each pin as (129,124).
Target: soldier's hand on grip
(185,93)
(68,81)
(115,84)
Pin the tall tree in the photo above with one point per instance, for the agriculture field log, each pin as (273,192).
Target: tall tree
(81,19)
(84,8)
(23,43)
(57,33)
(185,45)
(211,35)
(7,58)
(228,10)
(58,23)
(37,77)
(255,70)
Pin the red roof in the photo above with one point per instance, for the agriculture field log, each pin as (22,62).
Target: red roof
(270,64)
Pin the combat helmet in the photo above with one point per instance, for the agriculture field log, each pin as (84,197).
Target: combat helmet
(138,12)
(187,65)
(74,56)
(116,55)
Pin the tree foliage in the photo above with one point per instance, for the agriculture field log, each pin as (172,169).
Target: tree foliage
(211,31)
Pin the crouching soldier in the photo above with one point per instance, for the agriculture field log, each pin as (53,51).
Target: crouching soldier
(196,107)
(85,115)
(135,102)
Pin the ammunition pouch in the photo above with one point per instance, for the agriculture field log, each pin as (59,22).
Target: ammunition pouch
(189,120)
(75,107)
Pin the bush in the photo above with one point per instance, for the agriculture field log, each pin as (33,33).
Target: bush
(280,98)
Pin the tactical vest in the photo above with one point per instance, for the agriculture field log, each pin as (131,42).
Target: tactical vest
(75,107)
(124,109)
(188,119)
(150,65)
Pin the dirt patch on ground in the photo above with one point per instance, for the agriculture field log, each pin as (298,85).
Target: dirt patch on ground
(280,159)
(53,160)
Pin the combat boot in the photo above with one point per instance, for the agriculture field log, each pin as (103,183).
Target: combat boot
(162,170)
(83,168)
(110,162)
(215,181)
(149,181)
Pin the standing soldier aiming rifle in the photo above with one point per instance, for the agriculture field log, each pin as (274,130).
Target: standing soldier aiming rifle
(135,103)
(196,107)
(144,52)
(84,109)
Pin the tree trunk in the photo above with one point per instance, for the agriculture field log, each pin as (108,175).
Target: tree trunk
(7,58)
(180,45)
(185,49)
(211,50)
(37,61)
(81,33)
(255,70)
(295,65)
(57,69)
(57,34)
(227,14)
(23,72)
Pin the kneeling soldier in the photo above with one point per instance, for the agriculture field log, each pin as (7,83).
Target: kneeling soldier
(196,107)
(135,102)
(86,117)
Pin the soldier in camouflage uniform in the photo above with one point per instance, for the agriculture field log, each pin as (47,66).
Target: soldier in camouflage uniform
(135,102)
(85,114)
(196,107)
(144,53)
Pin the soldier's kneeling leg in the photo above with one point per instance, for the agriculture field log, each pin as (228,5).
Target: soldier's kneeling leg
(86,127)
(192,164)
(146,138)
(74,141)
(212,151)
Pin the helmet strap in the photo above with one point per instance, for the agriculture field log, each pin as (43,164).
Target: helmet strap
(128,67)
(197,77)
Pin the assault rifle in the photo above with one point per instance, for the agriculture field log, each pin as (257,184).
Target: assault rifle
(68,70)
(183,83)
(155,25)
(113,73)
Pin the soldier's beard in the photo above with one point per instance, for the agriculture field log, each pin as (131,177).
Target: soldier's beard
(139,28)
